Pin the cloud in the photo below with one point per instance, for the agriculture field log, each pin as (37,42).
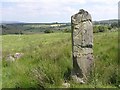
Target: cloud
(47,1)
(110,2)
(56,10)
(106,12)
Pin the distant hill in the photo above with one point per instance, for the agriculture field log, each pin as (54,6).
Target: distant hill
(27,28)
(16,27)
(106,21)
(11,22)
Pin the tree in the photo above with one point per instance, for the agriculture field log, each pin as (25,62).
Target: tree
(67,30)
(48,31)
(95,29)
(101,28)
(114,25)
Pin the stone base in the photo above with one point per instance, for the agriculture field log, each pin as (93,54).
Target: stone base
(77,79)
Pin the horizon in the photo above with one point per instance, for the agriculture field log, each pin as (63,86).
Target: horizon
(49,22)
(50,11)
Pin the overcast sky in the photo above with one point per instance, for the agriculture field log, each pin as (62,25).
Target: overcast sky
(56,10)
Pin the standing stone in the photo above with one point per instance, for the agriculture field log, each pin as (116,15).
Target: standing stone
(82,46)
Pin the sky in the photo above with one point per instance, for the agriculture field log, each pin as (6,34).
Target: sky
(56,10)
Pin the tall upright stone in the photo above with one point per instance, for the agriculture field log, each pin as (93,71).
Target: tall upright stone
(82,46)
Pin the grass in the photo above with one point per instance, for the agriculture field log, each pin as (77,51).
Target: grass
(106,58)
(47,60)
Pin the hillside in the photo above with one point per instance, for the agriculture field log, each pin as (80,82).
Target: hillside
(30,28)
(47,61)
(106,22)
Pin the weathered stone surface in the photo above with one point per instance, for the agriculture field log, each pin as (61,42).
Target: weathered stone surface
(10,58)
(66,85)
(82,44)
(18,55)
(77,79)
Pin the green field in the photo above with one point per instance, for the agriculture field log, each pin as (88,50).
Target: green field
(47,61)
